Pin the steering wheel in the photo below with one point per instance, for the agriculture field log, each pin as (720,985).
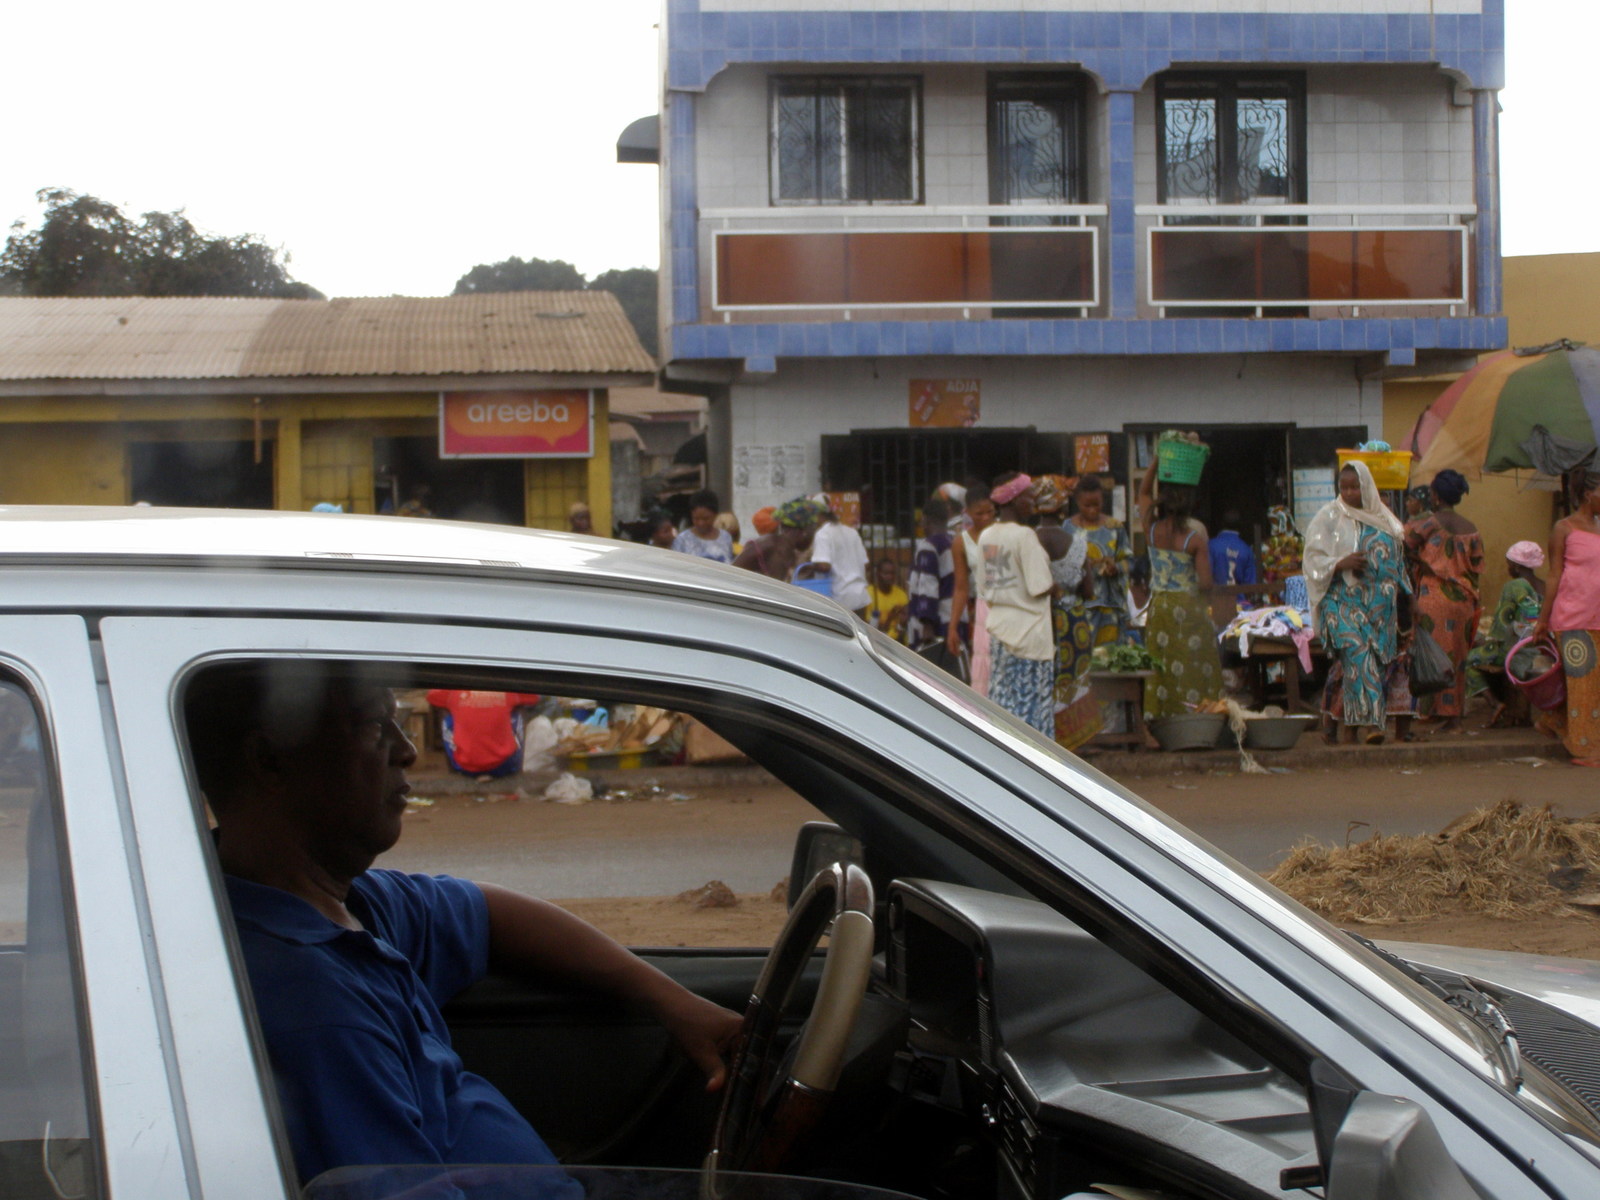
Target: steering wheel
(773,1100)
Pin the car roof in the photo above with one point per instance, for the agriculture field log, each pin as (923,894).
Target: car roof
(107,536)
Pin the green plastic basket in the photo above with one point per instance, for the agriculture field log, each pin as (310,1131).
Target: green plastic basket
(1180,462)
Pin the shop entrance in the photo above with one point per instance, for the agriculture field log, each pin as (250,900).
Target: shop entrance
(458,489)
(895,470)
(201,474)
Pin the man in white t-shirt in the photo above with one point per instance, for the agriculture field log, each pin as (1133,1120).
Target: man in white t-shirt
(1016,585)
(838,548)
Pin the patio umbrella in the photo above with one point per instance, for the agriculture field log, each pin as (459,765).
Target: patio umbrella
(1534,408)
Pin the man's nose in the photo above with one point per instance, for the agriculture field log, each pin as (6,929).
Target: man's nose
(402,751)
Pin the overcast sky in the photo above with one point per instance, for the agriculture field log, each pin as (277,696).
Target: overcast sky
(390,147)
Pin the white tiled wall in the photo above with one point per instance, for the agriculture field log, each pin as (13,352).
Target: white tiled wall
(810,398)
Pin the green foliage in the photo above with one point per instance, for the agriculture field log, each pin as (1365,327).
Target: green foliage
(516,275)
(634,287)
(86,246)
(1123,656)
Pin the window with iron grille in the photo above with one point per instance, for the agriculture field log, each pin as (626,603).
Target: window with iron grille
(1231,139)
(846,140)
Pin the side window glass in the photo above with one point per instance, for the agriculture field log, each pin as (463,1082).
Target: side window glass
(46,1139)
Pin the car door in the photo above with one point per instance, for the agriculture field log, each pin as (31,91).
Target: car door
(88,1098)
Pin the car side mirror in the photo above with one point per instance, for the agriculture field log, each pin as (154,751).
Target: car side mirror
(816,845)
(1388,1148)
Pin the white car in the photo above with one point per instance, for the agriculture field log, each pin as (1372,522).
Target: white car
(1037,983)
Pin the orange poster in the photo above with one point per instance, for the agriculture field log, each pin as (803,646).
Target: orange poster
(944,403)
(533,424)
(847,506)
(1091,453)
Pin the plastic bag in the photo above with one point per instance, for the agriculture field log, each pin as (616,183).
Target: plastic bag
(1431,668)
(539,736)
(569,789)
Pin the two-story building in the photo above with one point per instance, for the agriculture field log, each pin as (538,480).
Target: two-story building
(909,241)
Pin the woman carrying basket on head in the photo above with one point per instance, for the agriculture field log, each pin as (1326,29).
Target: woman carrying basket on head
(1572,613)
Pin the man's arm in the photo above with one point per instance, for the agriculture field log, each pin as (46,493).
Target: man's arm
(532,936)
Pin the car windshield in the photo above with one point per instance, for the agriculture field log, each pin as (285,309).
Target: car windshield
(1382,980)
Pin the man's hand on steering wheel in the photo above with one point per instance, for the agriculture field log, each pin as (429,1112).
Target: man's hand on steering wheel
(706,1032)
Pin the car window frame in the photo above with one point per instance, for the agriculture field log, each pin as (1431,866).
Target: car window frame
(162,650)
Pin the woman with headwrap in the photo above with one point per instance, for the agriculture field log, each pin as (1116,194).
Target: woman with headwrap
(1109,556)
(776,554)
(1178,630)
(1078,716)
(1016,585)
(1514,617)
(1355,575)
(1572,612)
(1445,552)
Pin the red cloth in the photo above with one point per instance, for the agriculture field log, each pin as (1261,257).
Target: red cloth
(484,735)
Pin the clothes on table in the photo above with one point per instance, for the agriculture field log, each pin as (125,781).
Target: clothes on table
(1277,621)
(1513,620)
(930,586)
(1180,635)
(716,549)
(1448,566)
(360,1052)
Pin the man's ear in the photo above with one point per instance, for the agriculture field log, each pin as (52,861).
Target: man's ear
(261,758)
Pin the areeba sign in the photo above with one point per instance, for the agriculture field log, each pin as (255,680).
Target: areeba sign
(532,424)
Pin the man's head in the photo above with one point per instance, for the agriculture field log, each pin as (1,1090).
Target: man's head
(310,752)
(579,519)
(886,574)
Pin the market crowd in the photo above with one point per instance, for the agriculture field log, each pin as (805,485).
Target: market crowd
(1025,585)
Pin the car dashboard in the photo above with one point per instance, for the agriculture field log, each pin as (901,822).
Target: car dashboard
(1074,1066)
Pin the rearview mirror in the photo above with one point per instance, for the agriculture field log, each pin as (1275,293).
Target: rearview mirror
(818,844)
(1388,1148)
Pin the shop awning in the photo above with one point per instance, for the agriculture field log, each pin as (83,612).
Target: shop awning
(641,141)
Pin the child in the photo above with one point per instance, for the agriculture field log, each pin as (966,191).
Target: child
(887,600)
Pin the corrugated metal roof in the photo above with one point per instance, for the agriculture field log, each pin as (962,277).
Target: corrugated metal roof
(215,338)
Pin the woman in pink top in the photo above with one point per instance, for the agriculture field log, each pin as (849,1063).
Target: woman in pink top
(1572,612)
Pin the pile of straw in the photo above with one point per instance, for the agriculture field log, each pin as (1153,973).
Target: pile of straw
(1506,861)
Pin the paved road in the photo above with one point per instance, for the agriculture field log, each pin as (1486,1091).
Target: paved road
(742,834)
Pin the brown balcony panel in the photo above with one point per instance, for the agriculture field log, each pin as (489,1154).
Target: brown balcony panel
(905,268)
(1306,266)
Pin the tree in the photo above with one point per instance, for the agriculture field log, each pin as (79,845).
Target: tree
(634,287)
(86,246)
(515,275)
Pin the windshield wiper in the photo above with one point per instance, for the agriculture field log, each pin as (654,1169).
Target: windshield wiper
(1461,994)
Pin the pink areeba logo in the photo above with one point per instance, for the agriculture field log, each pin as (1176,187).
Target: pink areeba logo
(527,424)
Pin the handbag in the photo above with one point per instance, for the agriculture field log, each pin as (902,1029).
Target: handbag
(1431,668)
(938,653)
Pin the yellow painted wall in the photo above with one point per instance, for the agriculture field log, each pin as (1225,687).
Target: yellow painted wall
(1503,508)
(73,450)
(62,464)
(1550,296)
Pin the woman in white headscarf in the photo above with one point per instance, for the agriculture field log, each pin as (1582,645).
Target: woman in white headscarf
(1355,573)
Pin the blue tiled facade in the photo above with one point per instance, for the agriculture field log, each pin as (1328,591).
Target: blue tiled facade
(1121,51)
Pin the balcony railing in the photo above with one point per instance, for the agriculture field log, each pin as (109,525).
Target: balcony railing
(774,259)
(1308,255)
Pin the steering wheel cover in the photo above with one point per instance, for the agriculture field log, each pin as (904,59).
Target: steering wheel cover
(764,1117)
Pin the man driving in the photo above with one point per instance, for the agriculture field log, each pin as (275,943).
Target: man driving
(305,773)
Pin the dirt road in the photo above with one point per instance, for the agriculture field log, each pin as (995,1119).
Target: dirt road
(622,863)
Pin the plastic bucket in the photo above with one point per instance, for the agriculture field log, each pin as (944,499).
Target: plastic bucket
(822,585)
(1545,691)
(1180,462)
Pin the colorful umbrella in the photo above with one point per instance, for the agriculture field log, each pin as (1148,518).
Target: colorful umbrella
(1535,408)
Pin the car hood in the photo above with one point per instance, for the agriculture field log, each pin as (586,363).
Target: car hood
(1569,984)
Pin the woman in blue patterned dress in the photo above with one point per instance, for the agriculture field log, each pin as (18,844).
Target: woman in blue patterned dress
(1355,574)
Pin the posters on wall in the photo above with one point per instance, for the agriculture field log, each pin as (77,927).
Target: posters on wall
(1091,454)
(1313,487)
(944,403)
(766,474)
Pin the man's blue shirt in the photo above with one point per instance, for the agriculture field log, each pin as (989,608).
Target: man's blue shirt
(1232,560)
(360,1052)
